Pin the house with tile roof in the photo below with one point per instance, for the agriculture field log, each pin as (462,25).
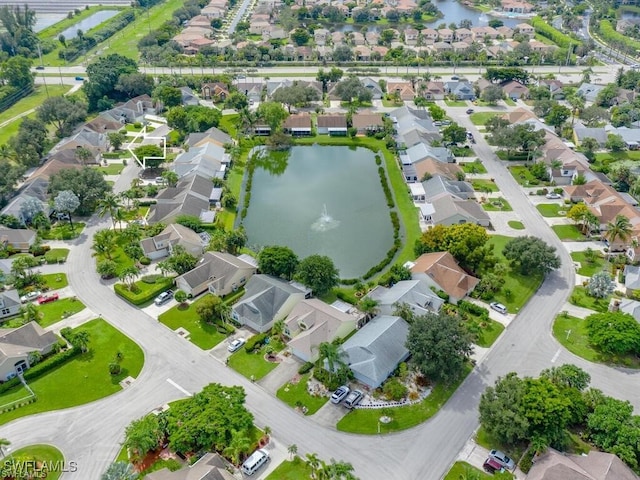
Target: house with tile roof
(433,167)
(162,245)
(266,300)
(440,270)
(553,465)
(376,350)
(403,89)
(312,322)
(18,344)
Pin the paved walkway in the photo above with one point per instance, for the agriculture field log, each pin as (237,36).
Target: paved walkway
(73,321)
(582,246)
(576,311)
(500,222)
(285,371)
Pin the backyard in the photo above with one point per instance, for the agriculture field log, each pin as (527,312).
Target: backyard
(571,332)
(569,233)
(297,395)
(84,378)
(204,335)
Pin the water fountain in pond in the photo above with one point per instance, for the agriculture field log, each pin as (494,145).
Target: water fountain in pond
(483,19)
(325,222)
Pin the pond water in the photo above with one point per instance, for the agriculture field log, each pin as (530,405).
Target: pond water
(89,23)
(321,199)
(453,12)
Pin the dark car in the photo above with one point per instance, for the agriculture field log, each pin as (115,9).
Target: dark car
(491,465)
(40,67)
(469,111)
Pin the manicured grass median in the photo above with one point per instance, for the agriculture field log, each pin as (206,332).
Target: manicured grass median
(550,210)
(568,233)
(581,298)
(41,453)
(521,287)
(366,421)
(59,310)
(481,118)
(204,335)
(588,268)
(515,224)
(291,470)
(296,395)
(572,333)
(523,176)
(56,255)
(112,169)
(86,377)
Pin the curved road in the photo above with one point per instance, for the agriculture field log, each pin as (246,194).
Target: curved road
(90,434)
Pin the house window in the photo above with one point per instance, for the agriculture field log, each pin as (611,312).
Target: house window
(5,311)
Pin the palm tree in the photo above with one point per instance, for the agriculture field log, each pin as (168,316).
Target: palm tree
(590,222)
(293,450)
(81,340)
(331,353)
(619,229)
(83,154)
(108,205)
(128,276)
(104,241)
(369,307)
(278,329)
(239,444)
(119,216)
(313,462)
(120,471)
(3,443)
(31,313)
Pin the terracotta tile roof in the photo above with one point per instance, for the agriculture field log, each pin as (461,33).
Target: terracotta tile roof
(443,269)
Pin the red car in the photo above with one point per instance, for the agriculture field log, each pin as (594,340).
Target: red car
(48,298)
(491,465)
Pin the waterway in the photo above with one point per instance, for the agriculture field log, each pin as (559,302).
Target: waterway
(89,23)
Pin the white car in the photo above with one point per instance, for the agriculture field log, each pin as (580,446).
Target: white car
(498,307)
(502,459)
(236,345)
(340,394)
(31,296)
(553,196)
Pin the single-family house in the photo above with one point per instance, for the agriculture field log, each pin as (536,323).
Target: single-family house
(580,132)
(212,135)
(404,90)
(440,270)
(209,160)
(460,90)
(439,184)
(193,195)
(134,110)
(36,188)
(252,90)
(188,97)
(298,125)
(19,239)
(162,245)
(630,136)
(266,300)
(589,91)
(441,47)
(516,6)
(504,32)
(219,273)
(105,122)
(595,465)
(373,86)
(9,306)
(417,294)
(525,29)
(312,322)
(411,36)
(376,350)
(334,125)
(211,466)
(429,35)
(366,122)
(362,53)
(433,90)
(628,306)
(445,35)
(462,34)
(321,35)
(216,91)
(515,90)
(17,346)
(481,33)
(631,278)
(434,168)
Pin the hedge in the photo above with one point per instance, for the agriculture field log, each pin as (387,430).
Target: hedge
(51,363)
(306,367)
(473,309)
(609,34)
(556,36)
(145,295)
(255,342)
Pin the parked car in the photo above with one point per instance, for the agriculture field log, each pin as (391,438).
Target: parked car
(340,394)
(498,307)
(553,196)
(31,296)
(163,298)
(455,77)
(236,345)
(353,399)
(40,67)
(491,465)
(80,79)
(502,459)
(469,111)
(48,298)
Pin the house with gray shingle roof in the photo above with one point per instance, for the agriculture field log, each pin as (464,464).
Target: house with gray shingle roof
(553,465)
(580,132)
(417,294)
(589,91)
(440,184)
(631,278)
(632,307)
(191,196)
(375,351)
(208,159)
(18,238)
(17,345)
(9,303)
(211,466)
(266,300)
(212,135)
(219,273)
(175,234)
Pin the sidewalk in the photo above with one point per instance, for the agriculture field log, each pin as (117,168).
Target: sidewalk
(73,321)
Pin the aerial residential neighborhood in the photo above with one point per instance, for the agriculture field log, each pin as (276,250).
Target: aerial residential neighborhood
(285,239)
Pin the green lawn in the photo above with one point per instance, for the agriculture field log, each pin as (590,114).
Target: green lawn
(297,395)
(484,185)
(581,298)
(228,123)
(42,453)
(63,231)
(461,470)
(112,169)
(568,233)
(523,176)
(85,378)
(484,439)
(253,365)
(391,103)
(135,213)
(121,259)
(455,103)
(204,335)
(516,225)
(497,205)
(490,333)
(55,311)
(473,167)
(510,102)
(572,333)
(550,210)
(521,287)
(481,118)
(365,421)
(56,255)
(588,268)
(55,281)
(296,469)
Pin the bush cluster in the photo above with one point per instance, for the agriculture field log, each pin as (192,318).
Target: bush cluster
(39,250)
(385,187)
(50,363)
(306,367)
(543,28)
(256,342)
(142,296)
(473,309)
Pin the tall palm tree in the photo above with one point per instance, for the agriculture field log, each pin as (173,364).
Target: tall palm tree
(81,340)
(331,353)
(104,242)
(128,276)
(239,444)
(619,229)
(108,205)
(313,462)
(292,450)
(3,443)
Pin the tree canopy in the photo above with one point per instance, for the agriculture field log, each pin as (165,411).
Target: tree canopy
(318,273)
(531,255)
(504,74)
(193,118)
(87,183)
(614,333)
(277,260)
(103,75)
(63,113)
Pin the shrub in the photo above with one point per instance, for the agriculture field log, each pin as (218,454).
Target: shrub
(305,368)
(527,461)
(50,363)
(542,27)
(141,296)
(255,342)
(151,279)
(332,380)
(145,261)
(394,390)
(473,309)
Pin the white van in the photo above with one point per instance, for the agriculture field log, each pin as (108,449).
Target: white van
(255,461)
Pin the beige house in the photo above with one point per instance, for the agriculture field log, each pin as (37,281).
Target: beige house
(18,344)
(442,271)
(210,467)
(367,122)
(553,465)
(526,29)
(445,35)
(17,238)
(217,272)
(175,234)
(312,322)
(461,34)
